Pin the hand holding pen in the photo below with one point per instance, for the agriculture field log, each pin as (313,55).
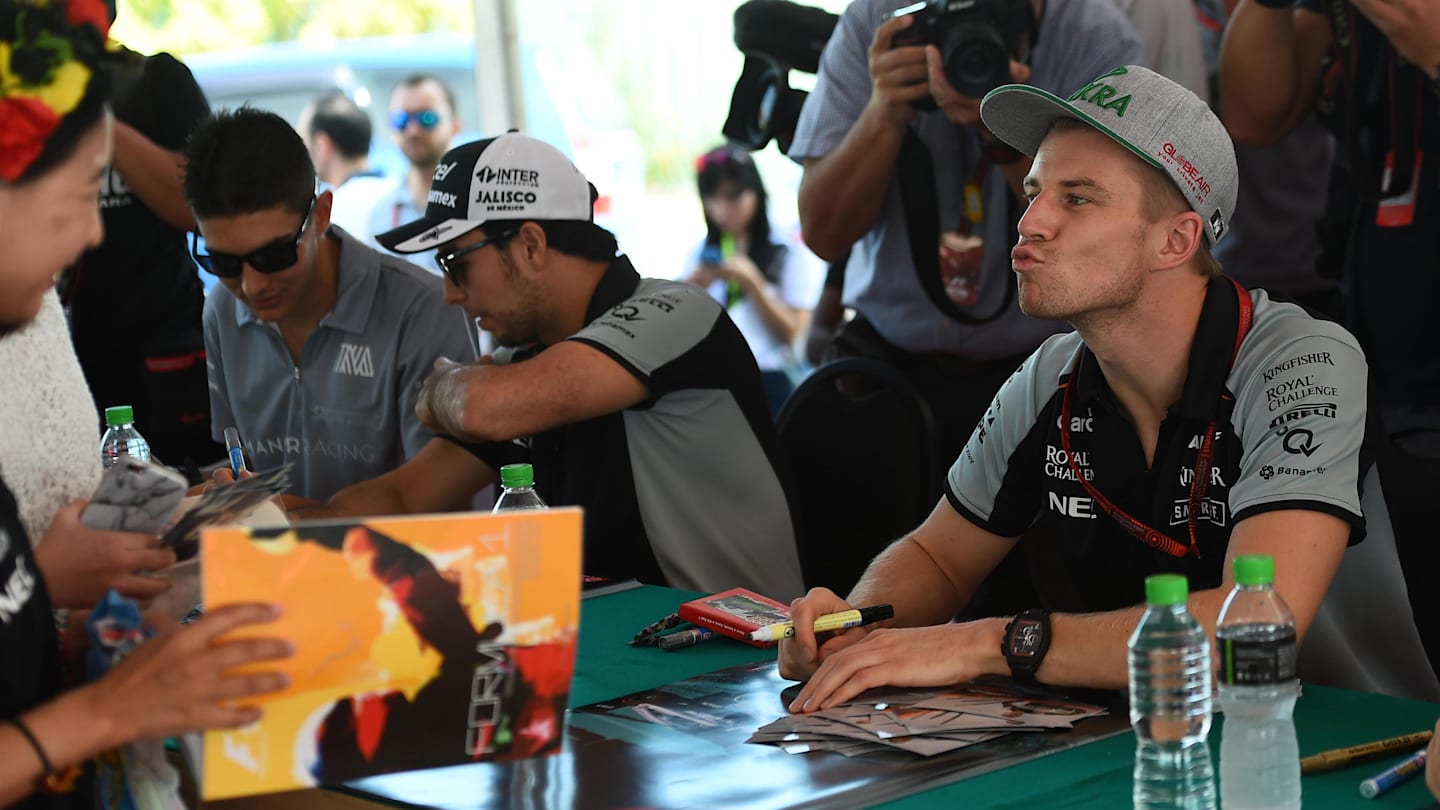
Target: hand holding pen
(801,654)
(235,450)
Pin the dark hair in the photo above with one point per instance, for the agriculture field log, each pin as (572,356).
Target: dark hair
(416,79)
(32,30)
(584,240)
(726,164)
(343,122)
(246,160)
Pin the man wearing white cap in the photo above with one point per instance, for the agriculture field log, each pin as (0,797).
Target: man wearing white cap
(1184,422)
(637,399)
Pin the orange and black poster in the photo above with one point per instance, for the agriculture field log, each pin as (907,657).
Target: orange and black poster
(420,642)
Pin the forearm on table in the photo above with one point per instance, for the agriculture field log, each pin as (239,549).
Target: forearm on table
(1092,649)
(906,577)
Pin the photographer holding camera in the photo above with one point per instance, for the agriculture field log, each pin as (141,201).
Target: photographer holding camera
(1370,69)
(897,163)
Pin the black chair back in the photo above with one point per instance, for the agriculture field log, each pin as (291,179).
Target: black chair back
(863,450)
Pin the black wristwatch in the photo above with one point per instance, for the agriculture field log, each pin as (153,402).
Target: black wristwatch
(1027,639)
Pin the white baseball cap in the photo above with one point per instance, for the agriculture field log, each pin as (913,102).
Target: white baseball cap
(510,177)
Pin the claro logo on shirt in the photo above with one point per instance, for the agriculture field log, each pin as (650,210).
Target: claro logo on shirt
(354,361)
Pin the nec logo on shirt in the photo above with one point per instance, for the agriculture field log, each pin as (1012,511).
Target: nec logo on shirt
(354,361)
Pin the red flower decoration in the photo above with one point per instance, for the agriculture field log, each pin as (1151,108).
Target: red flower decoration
(25,123)
(91,12)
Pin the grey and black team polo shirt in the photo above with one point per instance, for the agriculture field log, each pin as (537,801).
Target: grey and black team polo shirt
(346,413)
(687,488)
(1289,438)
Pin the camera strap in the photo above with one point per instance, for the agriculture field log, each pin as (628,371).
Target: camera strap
(916,173)
(1395,173)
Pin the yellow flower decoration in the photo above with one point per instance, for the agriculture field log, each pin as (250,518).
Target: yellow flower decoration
(8,80)
(64,93)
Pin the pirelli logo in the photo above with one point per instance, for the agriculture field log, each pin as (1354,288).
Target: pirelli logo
(354,361)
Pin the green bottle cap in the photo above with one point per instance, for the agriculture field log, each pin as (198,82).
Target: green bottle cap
(1166,589)
(116,415)
(1255,569)
(517,475)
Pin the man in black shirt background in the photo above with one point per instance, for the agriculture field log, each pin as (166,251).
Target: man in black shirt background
(135,300)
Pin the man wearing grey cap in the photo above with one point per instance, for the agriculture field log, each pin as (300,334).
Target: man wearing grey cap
(1185,421)
(637,399)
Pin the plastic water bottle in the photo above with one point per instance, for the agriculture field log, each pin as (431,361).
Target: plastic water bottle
(518,483)
(1170,702)
(1259,757)
(121,438)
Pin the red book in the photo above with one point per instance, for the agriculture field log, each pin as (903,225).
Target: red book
(736,613)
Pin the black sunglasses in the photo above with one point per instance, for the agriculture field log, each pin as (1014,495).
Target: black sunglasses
(455,272)
(273,257)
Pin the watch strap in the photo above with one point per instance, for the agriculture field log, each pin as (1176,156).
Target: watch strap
(1027,640)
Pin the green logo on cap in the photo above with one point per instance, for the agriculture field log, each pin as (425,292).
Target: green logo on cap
(1104,95)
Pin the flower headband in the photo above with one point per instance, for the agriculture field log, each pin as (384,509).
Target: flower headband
(719,156)
(49,50)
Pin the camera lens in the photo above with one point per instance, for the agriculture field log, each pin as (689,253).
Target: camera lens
(976,59)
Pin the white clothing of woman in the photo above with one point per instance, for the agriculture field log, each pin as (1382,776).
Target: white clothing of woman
(797,285)
(49,434)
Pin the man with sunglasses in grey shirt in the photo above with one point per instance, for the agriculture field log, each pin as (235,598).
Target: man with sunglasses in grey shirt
(316,344)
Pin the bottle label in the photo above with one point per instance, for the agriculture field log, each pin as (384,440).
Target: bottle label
(1257,662)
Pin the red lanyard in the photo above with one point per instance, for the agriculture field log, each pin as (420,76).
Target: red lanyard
(1204,460)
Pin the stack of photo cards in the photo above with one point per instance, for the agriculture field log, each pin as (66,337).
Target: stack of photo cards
(923,721)
(222,504)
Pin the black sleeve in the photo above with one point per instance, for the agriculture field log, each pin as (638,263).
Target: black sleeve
(176,101)
(495,454)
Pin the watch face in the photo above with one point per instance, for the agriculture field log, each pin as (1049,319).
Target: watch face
(1025,640)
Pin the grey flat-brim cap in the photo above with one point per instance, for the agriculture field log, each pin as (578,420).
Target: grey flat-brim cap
(1161,122)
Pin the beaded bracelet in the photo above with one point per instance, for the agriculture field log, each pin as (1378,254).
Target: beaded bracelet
(51,782)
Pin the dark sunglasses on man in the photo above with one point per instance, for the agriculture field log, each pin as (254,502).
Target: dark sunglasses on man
(271,257)
(454,269)
(427,119)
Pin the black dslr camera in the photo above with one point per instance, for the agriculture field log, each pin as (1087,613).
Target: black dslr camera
(976,39)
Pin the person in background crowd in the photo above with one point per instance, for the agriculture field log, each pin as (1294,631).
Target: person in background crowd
(57,137)
(317,344)
(422,115)
(135,298)
(636,399)
(767,282)
(1372,76)
(829,313)
(1170,33)
(1278,240)
(336,132)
